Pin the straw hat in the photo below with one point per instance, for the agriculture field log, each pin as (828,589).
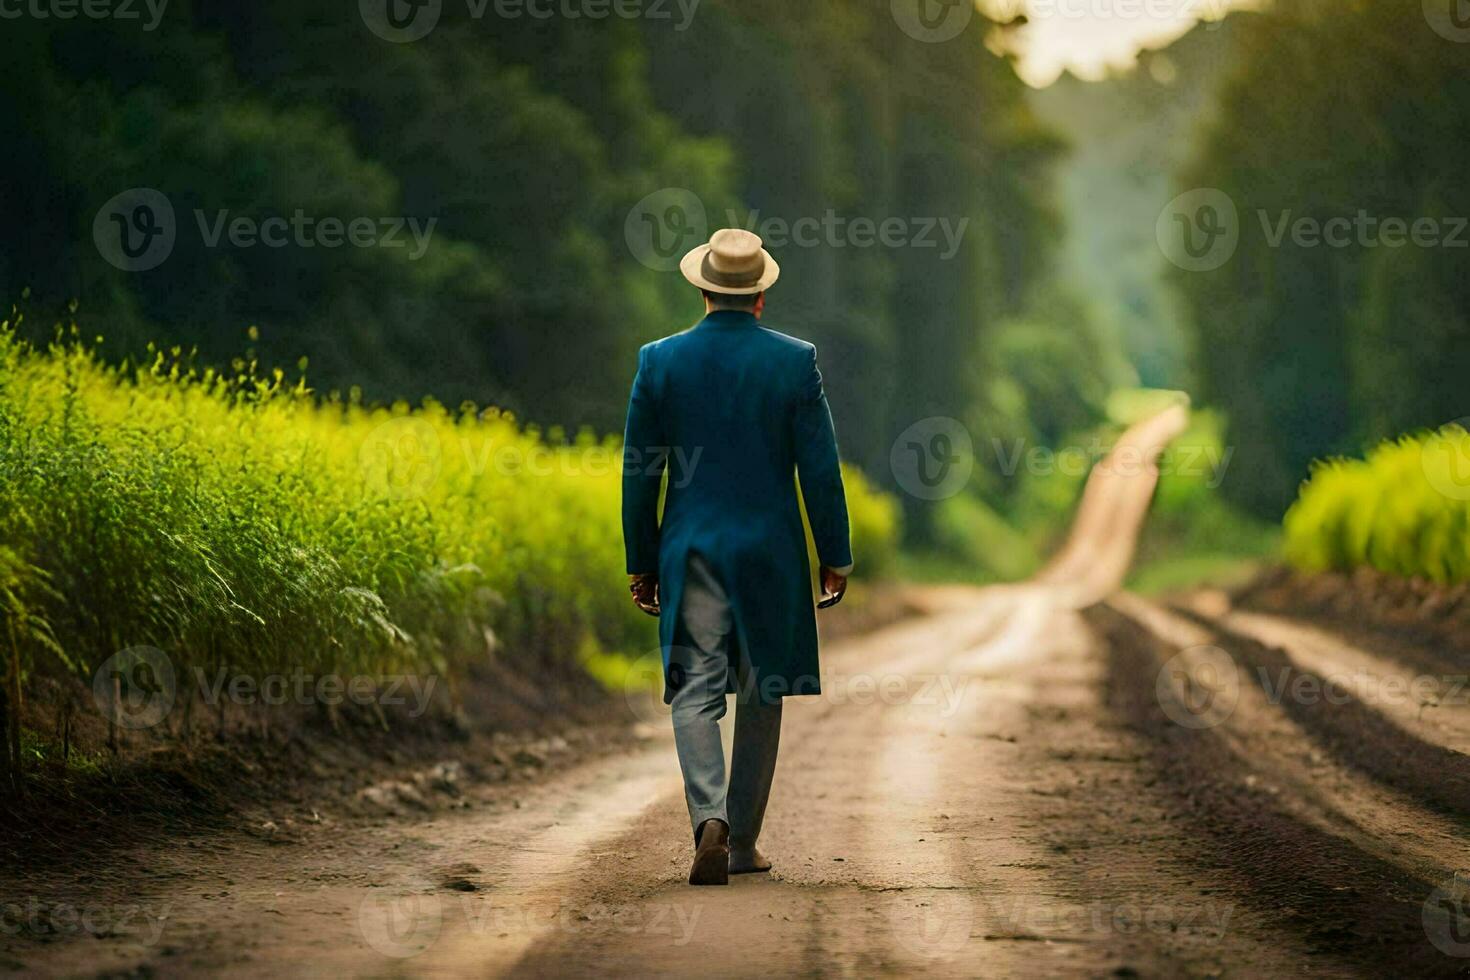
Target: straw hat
(732,263)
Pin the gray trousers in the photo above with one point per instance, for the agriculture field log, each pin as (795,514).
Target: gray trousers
(705,642)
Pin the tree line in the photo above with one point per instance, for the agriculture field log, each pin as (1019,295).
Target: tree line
(1343,318)
(525,146)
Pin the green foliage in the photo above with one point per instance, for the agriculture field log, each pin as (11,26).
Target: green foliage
(1006,535)
(829,108)
(36,748)
(1192,522)
(1329,111)
(237,521)
(1129,406)
(1051,374)
(975,543)
(526,156)
(876,526)
(1405,509)
(529,140)
(1129,134)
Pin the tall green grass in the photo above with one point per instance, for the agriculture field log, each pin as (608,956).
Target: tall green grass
(1405,510)
(240,522)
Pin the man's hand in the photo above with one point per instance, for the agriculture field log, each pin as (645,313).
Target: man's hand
(645,593)
(834,587)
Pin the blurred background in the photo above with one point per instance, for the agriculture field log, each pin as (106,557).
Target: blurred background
(986,218)
(322,318)
(527,140)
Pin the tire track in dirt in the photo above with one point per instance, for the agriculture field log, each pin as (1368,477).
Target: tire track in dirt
(816,844)
(1423,692)
(949,841)
(1360,735)
(1054,890)
(1314,785)
(1356,909)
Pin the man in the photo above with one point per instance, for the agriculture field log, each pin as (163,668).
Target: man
(741,410)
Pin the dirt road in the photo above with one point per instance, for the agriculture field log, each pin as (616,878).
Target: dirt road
(1019,783)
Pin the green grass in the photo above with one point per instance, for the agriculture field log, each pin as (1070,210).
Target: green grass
(1129,406)
(1191,535)
(238,520)
(37,749)
(1405,510)
(1168,575)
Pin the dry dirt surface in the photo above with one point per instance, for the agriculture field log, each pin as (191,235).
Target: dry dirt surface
(1039,780)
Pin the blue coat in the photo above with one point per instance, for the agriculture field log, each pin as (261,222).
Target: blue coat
(733,412)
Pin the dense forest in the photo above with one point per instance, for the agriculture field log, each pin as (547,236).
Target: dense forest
(1357,115)
(526,151)
(529,144)
(1129,136)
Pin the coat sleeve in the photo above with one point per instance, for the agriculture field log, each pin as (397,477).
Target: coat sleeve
(820,472)
(644,460)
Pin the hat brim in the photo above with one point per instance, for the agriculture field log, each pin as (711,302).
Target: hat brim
(692,266)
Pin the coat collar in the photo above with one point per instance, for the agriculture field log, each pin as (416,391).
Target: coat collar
(729,318)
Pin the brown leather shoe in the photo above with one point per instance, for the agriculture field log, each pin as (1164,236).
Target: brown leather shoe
(712,855)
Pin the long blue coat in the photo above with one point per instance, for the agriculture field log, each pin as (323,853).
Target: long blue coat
(733,412)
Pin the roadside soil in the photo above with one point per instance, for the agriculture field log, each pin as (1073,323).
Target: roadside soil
(95,838)
(1371,602)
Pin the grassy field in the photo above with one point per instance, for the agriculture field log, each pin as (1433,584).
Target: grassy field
(1192,534)
(1405,510)
(240,522)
